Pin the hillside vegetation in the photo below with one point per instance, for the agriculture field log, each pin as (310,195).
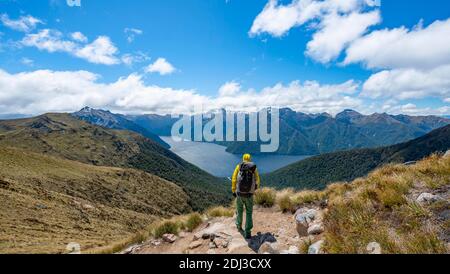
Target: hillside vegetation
(317,172)
(64,136)
(48,202)
(396,209)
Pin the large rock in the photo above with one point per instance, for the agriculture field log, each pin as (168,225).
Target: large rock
(427,198)
(374,248)
(169,238)
(316,229)
(268,248)
(303,217)
(316,248)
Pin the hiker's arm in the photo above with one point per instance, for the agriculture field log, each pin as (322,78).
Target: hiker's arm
(234,179)
(258,179)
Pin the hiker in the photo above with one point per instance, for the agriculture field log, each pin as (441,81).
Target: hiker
(245,182)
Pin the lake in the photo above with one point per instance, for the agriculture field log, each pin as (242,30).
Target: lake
(215,160)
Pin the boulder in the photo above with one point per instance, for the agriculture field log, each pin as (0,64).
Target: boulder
(195,244)
(270,248)
(316,229)
(169,238)
(316,248)
(374,248)
(427,198)
(303,218)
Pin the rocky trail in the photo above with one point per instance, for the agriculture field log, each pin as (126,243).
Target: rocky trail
(274,233)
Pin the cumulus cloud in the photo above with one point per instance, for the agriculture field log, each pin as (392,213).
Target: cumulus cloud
(336,32)
(161,66)
(409,83)
(335,23)
(100,51)
(46,91)
(421,48)
(24,23)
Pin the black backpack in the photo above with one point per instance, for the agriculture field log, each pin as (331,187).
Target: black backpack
(246,179)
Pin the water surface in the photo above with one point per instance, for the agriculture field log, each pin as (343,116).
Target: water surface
(215,160)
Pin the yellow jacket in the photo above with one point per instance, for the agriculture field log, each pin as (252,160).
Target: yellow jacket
(235,176)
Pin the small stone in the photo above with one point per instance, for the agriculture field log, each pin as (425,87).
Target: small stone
(316,248)
(315,229)
(195,244)
(447,154)
(292,250)
(267,247)
(374,248)
(197,236)
(155,242)
(427,198)
(212,245)
(169,238)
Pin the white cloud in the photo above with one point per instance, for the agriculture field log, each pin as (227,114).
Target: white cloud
(420,48)
(79,37)
(131,34)
(409,83)
(100,51)
(335,23)
(229,89)
(24,23)
(161,66)
(337,31)
(46,91)
(412,109)
(131,59)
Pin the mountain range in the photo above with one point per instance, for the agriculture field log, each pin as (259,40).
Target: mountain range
(300,133)
(317,172)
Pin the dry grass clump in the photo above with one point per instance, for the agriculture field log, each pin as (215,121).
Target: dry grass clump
(284,200)
(193,221)
(379,209)
(220,211)
(265,197)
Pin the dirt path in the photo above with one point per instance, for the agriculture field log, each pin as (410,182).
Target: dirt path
(220,236)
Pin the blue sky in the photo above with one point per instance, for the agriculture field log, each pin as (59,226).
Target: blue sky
(212,51)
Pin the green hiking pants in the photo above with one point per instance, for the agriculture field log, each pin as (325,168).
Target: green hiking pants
(246,202)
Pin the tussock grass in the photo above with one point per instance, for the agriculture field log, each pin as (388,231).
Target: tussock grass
(284,200)
(378,208)
(166,227)
(220,211)
(265,197)
(193,221)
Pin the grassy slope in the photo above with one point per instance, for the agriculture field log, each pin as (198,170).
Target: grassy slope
(65,136)
(382,208)
(48,202)
(317,172)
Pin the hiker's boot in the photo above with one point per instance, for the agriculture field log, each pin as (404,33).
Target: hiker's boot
(248,235)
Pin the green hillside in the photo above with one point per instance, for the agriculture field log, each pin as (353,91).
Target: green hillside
(317,172)
(48,202)
(65,136)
